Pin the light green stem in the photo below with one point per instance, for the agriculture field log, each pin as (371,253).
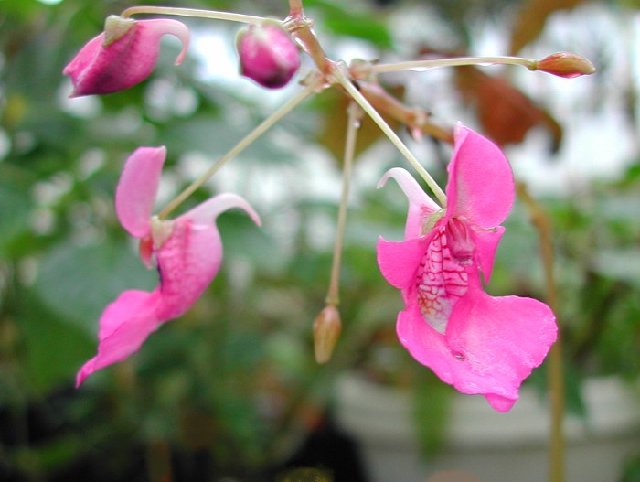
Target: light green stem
(458,62)
(393,137)
(333,295)
(244,143)
(191,12)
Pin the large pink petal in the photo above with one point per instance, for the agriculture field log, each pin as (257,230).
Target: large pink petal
(102,67)
(421,206)
(399,260)
(136,190)
(124,326)
(481,186)
(490,346)
(187,262)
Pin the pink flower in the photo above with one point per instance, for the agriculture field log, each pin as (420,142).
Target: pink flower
(122,56)
(478,343)
(268,54)
(187,252)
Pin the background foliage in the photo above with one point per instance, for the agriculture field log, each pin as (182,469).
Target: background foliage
(231,388)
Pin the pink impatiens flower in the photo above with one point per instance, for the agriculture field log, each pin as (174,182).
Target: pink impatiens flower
(187,253)
(123,55)
(478,343)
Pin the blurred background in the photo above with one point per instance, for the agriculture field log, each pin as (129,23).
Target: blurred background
(231,390)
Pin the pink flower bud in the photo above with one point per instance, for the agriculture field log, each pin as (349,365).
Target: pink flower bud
(326,329)
(566,65)
(268,54)
(122,56)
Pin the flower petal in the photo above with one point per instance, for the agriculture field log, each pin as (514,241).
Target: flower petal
(399,260)
(486,244)
(208,211)
(122,56)
(421,206)
(490,346)
(190,259)
(136,190)
(481,186)
(124,325)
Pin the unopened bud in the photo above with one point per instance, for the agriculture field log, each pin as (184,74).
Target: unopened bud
(268,54)
(326,329)
(565,64)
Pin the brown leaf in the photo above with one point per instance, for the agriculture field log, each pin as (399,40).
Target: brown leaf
(506,114)
(532,18)
(333,135)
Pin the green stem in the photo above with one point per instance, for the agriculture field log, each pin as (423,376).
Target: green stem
(244,143)
(191,12)
(542,223)
(333,297)
(458,62)
(393,137)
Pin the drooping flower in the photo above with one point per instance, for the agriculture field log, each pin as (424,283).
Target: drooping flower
(478,343)
(123,55)
(187,252)
(268,54)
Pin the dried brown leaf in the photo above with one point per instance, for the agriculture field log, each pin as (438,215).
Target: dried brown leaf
(532,18)
(506,114)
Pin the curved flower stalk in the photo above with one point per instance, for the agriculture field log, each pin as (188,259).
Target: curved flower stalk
(187,252)
(478,343)
(123,55)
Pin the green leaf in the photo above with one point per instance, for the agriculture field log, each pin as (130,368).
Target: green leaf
(53,349)
(432,400)
(345,22)
(79,281)
(14,206)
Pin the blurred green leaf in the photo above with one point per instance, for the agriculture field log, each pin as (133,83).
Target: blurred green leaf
(14,214)
(344,21)
(431,405)
(54,349)
(79,281)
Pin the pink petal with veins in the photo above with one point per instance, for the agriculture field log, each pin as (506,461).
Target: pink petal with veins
(136,190)
(124,62)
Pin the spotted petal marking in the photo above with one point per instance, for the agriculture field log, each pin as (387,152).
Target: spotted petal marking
(441,282)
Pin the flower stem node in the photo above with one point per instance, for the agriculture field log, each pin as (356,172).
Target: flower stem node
(268,54)
(564,64)
(326,330)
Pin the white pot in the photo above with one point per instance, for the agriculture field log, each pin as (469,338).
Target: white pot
(495,447)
